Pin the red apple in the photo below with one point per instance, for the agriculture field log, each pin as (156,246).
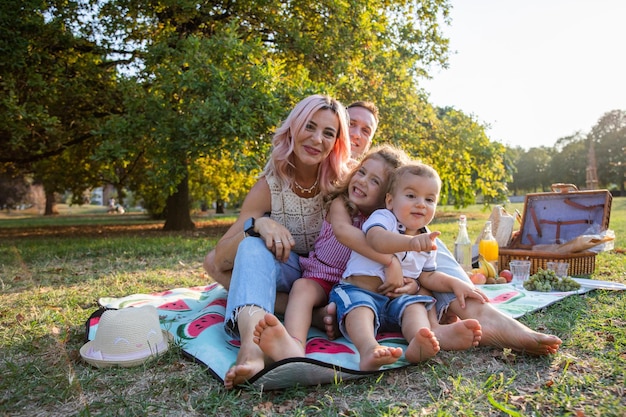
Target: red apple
(505,273)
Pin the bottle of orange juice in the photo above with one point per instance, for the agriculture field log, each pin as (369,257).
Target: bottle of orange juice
(488,246)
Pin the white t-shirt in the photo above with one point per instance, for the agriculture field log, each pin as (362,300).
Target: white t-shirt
(413,263)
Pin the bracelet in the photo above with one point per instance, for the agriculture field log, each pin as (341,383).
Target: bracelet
(390,261)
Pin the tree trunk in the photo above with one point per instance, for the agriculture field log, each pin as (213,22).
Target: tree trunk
(177,210)
(219,207)
(50,209)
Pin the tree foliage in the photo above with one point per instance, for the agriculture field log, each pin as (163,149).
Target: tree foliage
(177,100)
(216,78)
(608,137)
(55,87)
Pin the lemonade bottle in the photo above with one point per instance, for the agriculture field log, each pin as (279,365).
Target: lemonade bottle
(488,246)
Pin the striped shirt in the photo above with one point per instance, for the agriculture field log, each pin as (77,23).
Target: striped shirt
(328,258)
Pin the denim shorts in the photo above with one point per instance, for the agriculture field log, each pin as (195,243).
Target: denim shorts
(387,311)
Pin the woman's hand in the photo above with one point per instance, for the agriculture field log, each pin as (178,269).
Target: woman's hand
(277,238)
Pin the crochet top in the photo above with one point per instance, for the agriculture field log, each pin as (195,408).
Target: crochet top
(303,217)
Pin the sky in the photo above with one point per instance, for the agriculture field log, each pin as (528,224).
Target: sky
(534,70)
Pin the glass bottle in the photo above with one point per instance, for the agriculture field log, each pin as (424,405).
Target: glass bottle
(463,246)
(488,245)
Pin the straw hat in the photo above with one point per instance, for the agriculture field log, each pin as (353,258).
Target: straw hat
(126,337)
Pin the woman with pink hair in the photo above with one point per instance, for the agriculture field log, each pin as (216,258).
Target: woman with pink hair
(280,220)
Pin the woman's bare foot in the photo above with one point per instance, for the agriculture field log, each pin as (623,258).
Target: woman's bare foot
(325,318)
(245,368)
(459,335)
(274,340)
(378,356)
(423,346)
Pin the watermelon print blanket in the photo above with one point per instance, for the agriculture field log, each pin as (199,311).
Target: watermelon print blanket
(195,317)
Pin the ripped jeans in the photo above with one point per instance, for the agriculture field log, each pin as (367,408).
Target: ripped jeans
(257,277)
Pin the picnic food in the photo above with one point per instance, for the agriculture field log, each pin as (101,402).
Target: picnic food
(487,267)
(546,280)
(506,274)
(478,277)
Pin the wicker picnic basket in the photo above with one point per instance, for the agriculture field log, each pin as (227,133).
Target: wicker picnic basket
(558,217)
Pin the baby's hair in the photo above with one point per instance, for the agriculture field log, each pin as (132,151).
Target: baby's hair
(393,157)
(414,168)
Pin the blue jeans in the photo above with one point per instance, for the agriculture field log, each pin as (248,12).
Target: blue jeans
(257,277)
(447,264)
(388,312)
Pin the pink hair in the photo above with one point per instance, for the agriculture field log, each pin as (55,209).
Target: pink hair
(332,168)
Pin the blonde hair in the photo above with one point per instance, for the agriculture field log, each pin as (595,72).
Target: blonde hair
(414,168)
(334,167)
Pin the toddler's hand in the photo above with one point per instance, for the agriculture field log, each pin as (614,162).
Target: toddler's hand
(424,242)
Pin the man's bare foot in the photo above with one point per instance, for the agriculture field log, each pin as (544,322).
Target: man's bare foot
(274,340)
(449,318)
(378,356)
(503,331)
(459,335)
(524,340)
(242,371)
(423,346)
(325,318)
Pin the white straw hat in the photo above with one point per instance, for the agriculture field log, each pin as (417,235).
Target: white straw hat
(126,337)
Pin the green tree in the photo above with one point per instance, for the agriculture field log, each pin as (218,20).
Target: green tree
(55,87)
(205,97)
(532,169)
(609,139)
(467,161)
(569,160)
(217,77)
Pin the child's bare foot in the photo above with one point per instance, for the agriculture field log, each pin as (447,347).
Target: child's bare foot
(274,340)
(244,369)
(423,346)
(325,318)
(379,356)
(460,335)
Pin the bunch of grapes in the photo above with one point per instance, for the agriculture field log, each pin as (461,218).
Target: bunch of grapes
(545,281)
(566,284)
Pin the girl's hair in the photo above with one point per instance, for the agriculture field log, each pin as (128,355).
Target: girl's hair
(334,167)
(391,156)
(414,168)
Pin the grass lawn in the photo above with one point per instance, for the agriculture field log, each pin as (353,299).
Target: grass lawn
(53,270)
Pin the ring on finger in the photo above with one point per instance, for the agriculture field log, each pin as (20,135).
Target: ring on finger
(278,241)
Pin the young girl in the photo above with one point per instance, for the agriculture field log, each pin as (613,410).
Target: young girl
(361,194)
(399,229)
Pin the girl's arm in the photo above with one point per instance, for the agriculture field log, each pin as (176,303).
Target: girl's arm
(351,236)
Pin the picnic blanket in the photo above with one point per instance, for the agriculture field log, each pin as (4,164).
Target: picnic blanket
(195,317)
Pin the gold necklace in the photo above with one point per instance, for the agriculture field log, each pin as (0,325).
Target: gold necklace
(306,190)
